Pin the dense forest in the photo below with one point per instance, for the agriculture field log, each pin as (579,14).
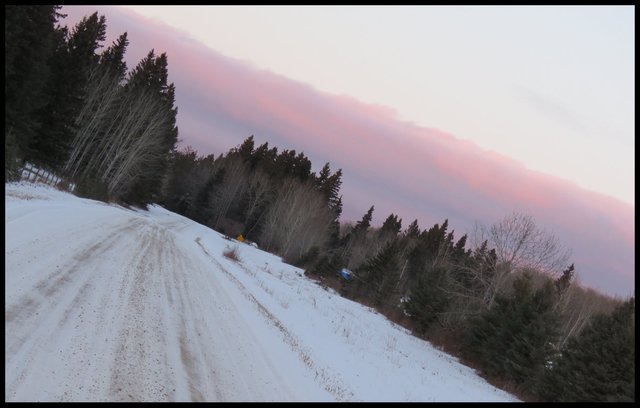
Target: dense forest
(505,299)
(82,114)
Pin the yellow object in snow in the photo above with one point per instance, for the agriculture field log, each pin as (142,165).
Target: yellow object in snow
(240,238)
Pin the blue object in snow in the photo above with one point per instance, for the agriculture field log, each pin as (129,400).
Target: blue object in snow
(346,274)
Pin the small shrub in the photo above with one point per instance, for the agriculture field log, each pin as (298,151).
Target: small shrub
(231,253)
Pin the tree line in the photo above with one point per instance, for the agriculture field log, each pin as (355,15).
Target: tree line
(80,112)
(267,196)
(504,299)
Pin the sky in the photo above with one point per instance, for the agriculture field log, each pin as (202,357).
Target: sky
(463,113)
(549,86)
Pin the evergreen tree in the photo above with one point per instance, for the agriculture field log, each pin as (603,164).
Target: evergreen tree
(322,177)
(329,186)
(413,230)
(112,59)
(328,264)
(363,225)
(513,340)
(288,163)
(199,211)
(176,190)
(379,274)
(599,364)
(71,63)
(563,282)
(459,252)
(246,149)
(427,253)
(429,297)
(30,36)
(264,158)
(391,226)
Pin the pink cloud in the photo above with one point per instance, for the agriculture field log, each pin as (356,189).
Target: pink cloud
(399,167)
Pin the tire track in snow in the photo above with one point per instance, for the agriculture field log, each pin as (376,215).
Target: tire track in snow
(133,316)
(54,314)
(231,364)
(133,362)
(327,379)
(171,354)
(63,276)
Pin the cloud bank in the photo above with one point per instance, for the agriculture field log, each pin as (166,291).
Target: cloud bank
(413,171)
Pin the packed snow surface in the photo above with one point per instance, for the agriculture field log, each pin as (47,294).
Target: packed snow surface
(104,303)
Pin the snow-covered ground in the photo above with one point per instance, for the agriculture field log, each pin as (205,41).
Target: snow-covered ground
(104,303)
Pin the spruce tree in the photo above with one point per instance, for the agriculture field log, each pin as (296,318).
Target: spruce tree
(563,282)
(199,210)
(513,340)
(363,225)
(71,63)
(246,149)
(413,230)
(329,185)
(379,274)
(391,226)
(429,298)
(599,364)
(30,36)
(176,189)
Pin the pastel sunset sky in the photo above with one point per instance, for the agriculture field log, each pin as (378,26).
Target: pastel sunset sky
(432,113)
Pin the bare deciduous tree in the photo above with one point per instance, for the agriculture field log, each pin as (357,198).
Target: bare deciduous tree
(520,243)
(139,142)
(103,89)
(232,189)
(259,192)
(576,306)
(296,220)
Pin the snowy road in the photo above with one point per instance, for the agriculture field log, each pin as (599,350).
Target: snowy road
(108,304)
(123,312)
